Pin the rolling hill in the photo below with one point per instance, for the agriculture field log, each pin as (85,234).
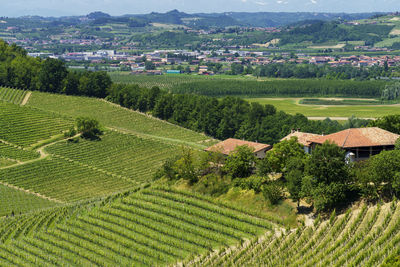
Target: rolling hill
(94,203)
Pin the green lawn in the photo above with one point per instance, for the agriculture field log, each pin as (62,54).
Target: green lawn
(290,105)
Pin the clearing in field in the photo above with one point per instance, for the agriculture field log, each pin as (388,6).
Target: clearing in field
(292,106)
(337,46)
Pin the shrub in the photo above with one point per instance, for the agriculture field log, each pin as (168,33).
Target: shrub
(272,192)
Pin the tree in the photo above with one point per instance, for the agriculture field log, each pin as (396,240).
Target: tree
(328,176)
(89,128)
(381,178)
(294,178)
(389,123)
(52,75)
(240,163)
(148,65)
(282,152)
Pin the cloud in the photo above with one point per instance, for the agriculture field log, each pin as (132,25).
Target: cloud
(314,1)
(260,3)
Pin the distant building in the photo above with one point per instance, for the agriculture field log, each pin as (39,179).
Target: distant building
(228,146)
(359,143)
(302,138)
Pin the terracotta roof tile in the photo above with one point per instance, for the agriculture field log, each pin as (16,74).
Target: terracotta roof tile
(359,137)
(302,138)
(229,145)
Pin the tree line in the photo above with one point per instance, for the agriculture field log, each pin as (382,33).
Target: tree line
(219,118)
(284,88)
(50,75)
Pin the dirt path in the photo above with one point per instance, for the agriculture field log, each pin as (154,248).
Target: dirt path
(30,192)
(26,98)
(43,155)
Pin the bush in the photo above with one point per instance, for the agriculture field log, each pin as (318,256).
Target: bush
(89,128)
(212,184)
(272,192)
(251,183)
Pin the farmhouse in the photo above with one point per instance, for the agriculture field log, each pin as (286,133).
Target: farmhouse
(359,143)
(229,145)
(302,138)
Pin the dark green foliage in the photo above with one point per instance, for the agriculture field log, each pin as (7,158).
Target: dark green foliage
(294,177)
(251,183)
(272,192)
(20,71)
(381,176)
(89,128)
(240,163)
(298,88)
(389,123)
(391,91)
(282,153)
(327,177)
(51,75)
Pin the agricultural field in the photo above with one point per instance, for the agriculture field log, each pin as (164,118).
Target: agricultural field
(65,181)
(292,106)
(12,95)
(363,237)
(171,80)
(15,201)
(154,226)
(128,156)
(117,118)
(25,126)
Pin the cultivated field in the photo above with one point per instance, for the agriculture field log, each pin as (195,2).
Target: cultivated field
(364,237)
(117,118)
(154,226)
(292,106)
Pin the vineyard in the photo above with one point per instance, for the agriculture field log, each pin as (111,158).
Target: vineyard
(26,126)
(16,201)
(171,80)
(119,154)
(155,226)
(114,116)
(12,95)
(364,237)
(77,202)
(64,180)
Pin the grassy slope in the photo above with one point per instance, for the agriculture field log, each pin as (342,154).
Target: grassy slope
(364,237)
(16,201)
(290,105)
(152,227)
(114,116)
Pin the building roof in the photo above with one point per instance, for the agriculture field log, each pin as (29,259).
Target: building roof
(359,137)
(302,138)
(229,145)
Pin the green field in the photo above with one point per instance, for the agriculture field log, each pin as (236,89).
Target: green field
(152,227)
(115,117)
(292,106)
(92,203)
(119,154)
(16,201)
(364,237)
(12,95)
(25,126)
(169,81)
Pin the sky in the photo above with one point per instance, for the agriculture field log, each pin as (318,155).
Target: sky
(15,8)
